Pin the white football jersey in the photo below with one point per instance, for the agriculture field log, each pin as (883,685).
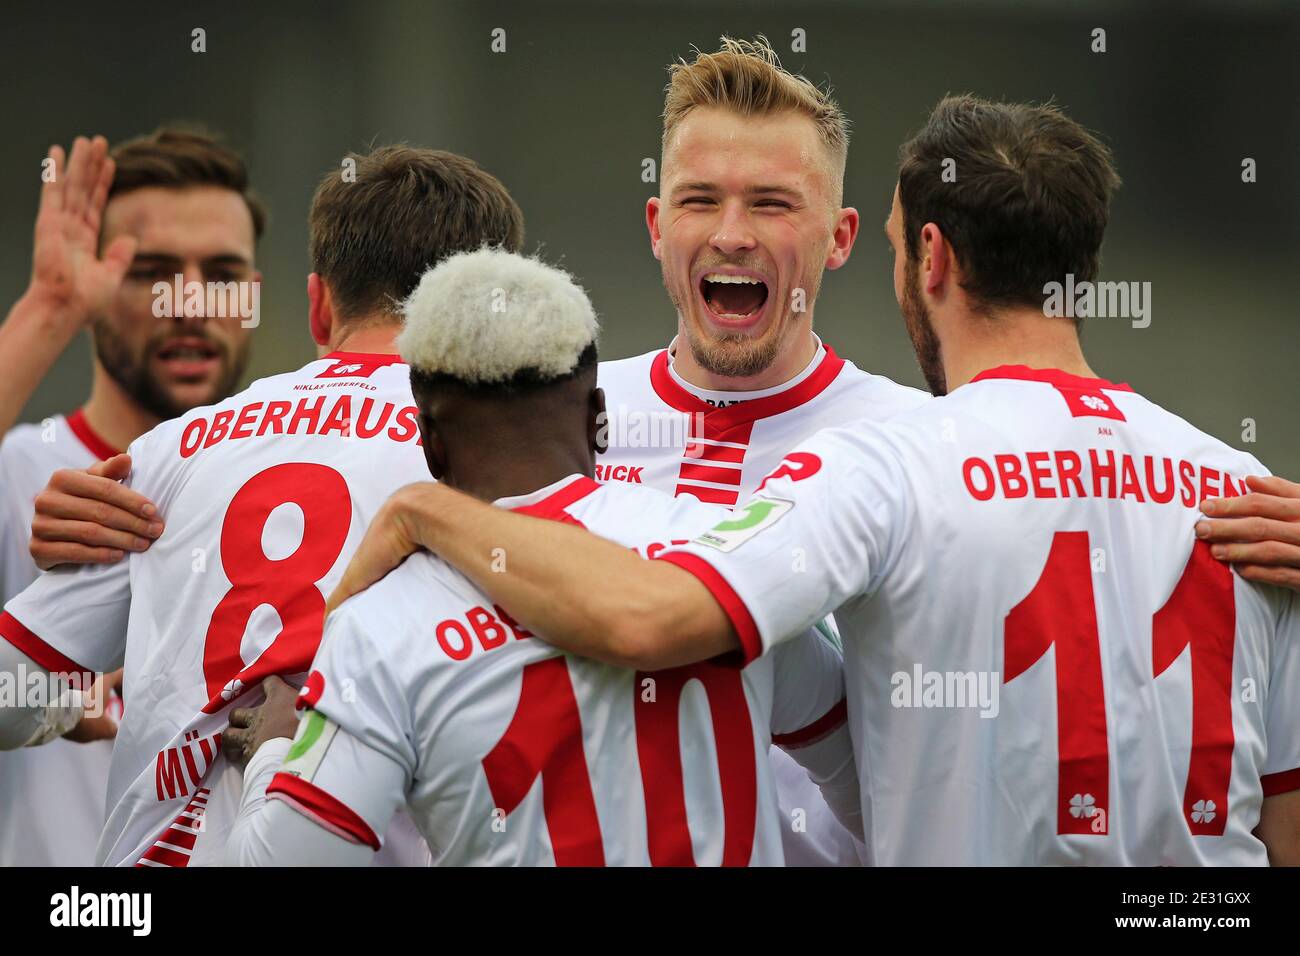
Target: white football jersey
(53,795)
(266,496)
(508,752)
(1043,665)
(717,447)
(662,433)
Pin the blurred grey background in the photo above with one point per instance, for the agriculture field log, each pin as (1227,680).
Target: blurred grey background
(566,115)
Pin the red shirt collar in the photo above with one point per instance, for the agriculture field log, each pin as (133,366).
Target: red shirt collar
(667,388)
(553,505)
(1052,376)
(93,441)
(368,358)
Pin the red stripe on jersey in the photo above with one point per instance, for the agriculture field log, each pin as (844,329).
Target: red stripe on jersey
(1052,376)
(698,451)
(832,720)
(93,441)
(12,630)
(723,476)
(173,845)
(1282,782)
(751,644)
(324,808)
(552,506)
(713,496)
(176,837)
(164,857)
(746,412)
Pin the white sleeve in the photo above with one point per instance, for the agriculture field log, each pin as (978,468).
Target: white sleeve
(34,718)
(1282,706)
(352,760)
(809,720)
(275,833)
(72,620)
(820,530)
(13,539)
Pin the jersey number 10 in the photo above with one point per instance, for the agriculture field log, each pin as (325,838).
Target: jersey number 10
(545,739)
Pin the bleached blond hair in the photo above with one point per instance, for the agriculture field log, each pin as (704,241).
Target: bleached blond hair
(747,76)
(484,317)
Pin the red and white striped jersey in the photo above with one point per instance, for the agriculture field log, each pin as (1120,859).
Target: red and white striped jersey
(53,795)
(1043,664)
(717,446)
(662,433)
(266,495)
(508,752)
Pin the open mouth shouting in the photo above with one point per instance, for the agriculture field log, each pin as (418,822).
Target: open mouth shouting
(189,358)
(733,300)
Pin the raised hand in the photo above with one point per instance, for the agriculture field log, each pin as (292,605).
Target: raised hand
(68,273)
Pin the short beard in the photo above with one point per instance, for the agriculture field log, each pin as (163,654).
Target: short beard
(131,371)
(921,330)
(733,356)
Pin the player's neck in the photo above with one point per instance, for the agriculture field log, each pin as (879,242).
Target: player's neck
(112,414)
(377,339)
(1013,337)
(789,362)
(548,459)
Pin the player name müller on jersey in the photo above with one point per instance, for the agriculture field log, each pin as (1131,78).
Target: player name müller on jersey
(508,752)
(266,496)
(1043,666)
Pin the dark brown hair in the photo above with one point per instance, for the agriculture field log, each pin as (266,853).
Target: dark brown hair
(373,234)
(178,158)
(1030,201)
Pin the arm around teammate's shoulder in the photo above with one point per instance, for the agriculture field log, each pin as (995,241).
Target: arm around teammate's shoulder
(584,594)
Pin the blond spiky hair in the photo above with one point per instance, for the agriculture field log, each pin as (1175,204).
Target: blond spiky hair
(746,76)
(483,317)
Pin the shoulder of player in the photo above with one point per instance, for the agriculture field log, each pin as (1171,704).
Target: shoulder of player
(640,515)
(876,395)
(22,440)
(1200,444)
(630,364)
(616,376)
(399,607)
(42,447)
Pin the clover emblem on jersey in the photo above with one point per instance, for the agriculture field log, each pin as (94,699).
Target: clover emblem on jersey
(1083,805)
(345,369)
(1095,402)
(1203,811)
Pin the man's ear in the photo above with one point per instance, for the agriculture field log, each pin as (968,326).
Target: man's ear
(597,422)
(842,237)
(937,262)
(652,224)
(435,454)
(320,310)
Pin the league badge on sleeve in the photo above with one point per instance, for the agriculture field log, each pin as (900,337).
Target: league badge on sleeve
(751,518)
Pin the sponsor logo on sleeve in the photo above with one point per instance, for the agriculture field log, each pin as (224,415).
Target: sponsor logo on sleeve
(315,734)
(756,515)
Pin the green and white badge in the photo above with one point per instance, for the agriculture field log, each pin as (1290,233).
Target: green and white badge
(754,516)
